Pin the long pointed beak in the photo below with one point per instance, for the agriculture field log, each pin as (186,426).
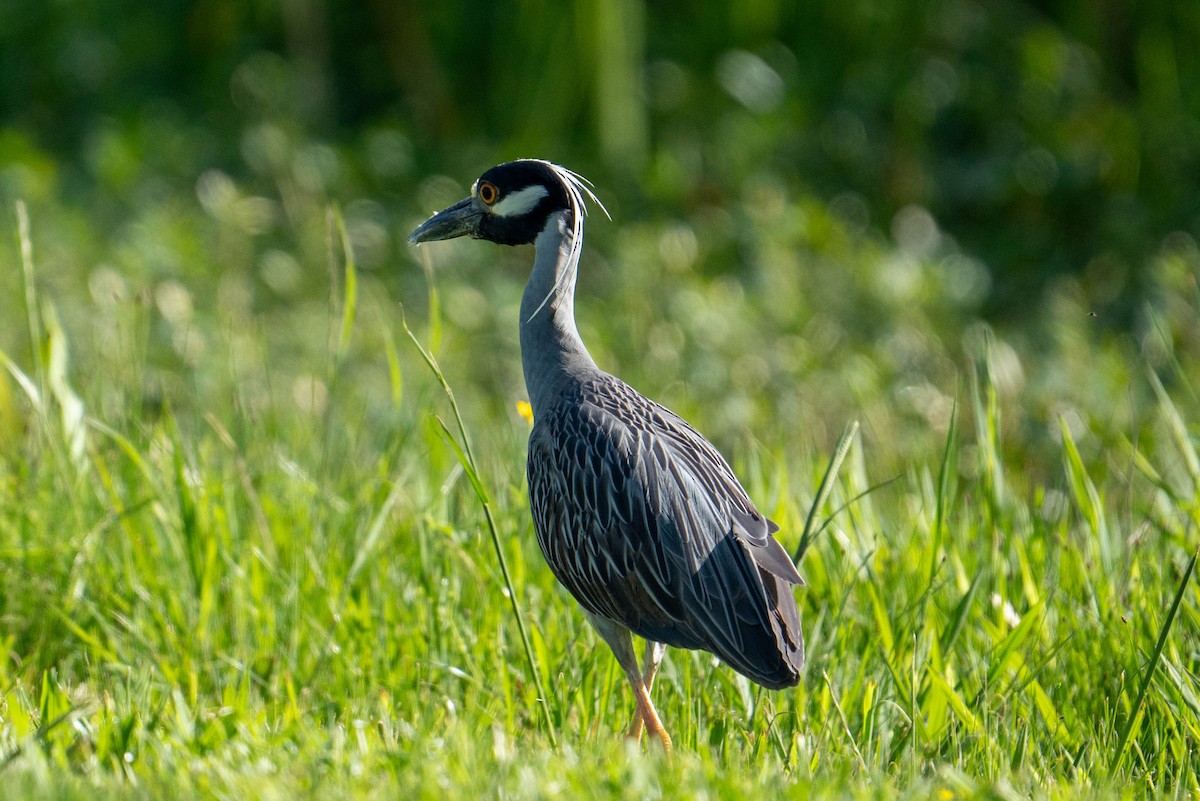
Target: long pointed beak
(460,219)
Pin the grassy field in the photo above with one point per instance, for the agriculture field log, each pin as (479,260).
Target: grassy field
(246,550)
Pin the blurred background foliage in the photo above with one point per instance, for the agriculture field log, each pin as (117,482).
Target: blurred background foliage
(838,209)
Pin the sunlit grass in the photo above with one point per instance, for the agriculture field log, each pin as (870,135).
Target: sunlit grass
(308,584)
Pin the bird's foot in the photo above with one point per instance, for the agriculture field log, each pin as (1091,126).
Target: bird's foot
(655,729)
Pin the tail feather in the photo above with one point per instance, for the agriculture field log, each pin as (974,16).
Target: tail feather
(788,655)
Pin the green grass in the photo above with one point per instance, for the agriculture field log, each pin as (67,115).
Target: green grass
(289,565)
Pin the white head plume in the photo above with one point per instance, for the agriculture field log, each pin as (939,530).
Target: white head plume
(577,188)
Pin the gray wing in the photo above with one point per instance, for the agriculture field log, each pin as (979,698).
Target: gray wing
(702,463)
(644,523)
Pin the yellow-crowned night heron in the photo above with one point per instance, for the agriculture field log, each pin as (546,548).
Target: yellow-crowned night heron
(639,517)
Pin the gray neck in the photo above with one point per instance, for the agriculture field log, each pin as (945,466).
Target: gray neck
(552,353)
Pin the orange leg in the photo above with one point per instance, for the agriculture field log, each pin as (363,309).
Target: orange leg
(646,713)
(619,639)
(654,655)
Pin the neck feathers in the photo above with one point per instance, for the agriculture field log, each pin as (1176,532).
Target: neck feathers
(552,353)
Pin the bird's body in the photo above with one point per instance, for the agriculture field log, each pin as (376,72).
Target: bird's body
(638,516)
(657,535)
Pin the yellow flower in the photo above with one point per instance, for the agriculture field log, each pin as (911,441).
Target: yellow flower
(526,411)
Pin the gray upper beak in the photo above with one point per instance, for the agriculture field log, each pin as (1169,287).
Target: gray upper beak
(460,219)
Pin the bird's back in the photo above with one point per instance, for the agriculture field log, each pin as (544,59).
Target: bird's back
(645,523)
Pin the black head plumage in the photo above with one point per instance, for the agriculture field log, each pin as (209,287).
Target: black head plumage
(511,203)
(526,193)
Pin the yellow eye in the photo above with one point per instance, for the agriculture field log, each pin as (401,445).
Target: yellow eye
(488,193)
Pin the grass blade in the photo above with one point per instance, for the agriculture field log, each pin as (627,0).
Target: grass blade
(31,305)
(350,289)
(945,473)
(1178,430)
(1136,713)
(374,532)
(862,763)
(467,459)
(835,464)
(70,405)
(1014,641)
(1087,497)
(958,616)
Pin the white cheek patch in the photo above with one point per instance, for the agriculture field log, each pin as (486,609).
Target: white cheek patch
(520,202)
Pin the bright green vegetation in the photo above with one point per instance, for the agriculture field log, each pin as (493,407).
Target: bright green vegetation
(240,555)
(244,551)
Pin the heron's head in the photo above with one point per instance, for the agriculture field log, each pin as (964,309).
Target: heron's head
(510,204)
